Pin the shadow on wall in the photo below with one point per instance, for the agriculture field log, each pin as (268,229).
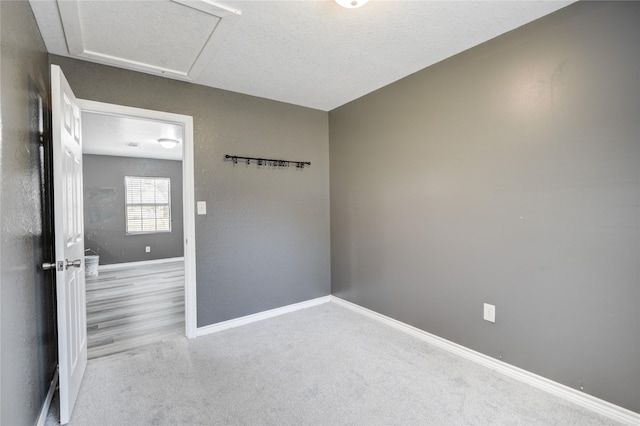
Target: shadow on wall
(41,177)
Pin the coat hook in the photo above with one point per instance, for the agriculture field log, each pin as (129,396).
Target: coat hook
(268,161)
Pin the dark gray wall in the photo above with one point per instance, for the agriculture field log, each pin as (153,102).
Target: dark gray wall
(508,174)
(265,240)
(104,209)
(27,343)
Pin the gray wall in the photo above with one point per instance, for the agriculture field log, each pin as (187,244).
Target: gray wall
(104,209)
(265,240)
(507,174)
(27,343)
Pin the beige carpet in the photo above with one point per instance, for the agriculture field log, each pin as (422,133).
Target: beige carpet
(320,366)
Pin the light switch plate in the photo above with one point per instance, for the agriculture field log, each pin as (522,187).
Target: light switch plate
(489,312)
(202,207)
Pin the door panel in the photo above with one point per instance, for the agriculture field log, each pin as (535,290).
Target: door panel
(69,241)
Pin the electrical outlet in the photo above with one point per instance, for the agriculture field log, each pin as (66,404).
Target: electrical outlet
(147,249)
(489,312)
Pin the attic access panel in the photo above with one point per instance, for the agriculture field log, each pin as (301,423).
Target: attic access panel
(172,38)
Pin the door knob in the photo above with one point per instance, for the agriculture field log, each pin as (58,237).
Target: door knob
(72,263)
(48,265)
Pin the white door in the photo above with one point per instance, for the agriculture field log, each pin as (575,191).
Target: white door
(69,241)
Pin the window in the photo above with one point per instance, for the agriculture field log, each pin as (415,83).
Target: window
(148,204)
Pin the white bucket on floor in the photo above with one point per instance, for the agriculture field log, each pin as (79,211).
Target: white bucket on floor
(91,266)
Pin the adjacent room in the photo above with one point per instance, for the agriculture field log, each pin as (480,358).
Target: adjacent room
(383,212)
(132,192)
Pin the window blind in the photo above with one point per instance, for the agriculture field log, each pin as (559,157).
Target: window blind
(148,204)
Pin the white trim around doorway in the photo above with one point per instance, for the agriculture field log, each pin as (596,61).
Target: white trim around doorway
(188,194)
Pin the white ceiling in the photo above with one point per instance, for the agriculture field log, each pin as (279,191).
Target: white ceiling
(312,53)
(105,134)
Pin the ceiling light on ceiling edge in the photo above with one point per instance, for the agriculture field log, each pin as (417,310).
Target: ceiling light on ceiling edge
(168,143)
(351,4)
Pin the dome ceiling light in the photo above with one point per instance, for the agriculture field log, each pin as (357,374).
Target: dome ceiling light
(168,143)
(351,4)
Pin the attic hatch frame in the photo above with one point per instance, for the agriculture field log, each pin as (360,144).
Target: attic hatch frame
(71,18)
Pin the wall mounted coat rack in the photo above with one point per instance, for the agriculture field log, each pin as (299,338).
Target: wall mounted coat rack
(267,161)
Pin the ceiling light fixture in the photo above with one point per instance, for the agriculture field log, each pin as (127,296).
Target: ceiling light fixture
(351,4)
(168,143)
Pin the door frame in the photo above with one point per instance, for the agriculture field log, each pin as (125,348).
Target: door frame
(188,196)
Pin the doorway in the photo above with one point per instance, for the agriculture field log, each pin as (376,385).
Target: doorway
(147,255)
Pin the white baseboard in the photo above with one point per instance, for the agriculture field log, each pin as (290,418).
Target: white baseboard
(42,418)
(582,399)
(237,322)
(116,266)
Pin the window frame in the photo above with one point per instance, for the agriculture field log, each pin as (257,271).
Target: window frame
(155,204)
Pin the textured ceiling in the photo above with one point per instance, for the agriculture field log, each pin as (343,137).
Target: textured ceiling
(306,52)
(105,134)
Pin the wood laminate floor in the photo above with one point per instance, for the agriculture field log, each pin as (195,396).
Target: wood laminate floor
(136,306)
